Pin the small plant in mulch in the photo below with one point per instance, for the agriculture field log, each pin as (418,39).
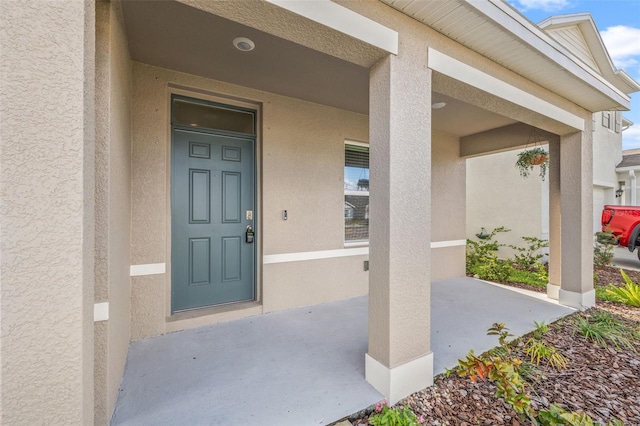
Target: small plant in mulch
(394,416)
(629,294)
(505,370)
(604,329)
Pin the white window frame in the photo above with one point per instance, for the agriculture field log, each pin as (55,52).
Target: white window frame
(356,243)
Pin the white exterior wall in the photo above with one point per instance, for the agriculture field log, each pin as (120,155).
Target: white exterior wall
(607,153)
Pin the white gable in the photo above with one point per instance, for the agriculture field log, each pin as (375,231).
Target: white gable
(571,38)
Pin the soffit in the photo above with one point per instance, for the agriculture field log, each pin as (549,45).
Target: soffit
(179,37)
(495,30)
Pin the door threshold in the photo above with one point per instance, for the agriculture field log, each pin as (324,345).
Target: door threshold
(211,315)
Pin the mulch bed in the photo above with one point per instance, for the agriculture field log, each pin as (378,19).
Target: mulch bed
(603,382)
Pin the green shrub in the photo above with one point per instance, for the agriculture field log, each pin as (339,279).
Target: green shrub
(483,249)
(535,278)
(528,257)
(494,269)
(602,253)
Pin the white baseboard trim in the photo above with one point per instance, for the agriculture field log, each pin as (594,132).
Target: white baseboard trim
(314,255)
(452,243)
(553,291)
(147,269)
(580,301)
(401,381)
(101,311)
(328,254)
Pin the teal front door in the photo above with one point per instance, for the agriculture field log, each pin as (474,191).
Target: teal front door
(212,208)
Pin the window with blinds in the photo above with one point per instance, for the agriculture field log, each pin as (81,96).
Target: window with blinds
(356,192)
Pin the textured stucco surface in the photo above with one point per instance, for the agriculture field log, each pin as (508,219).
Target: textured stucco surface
(399,283)
(113,204)
(302,163)
(280,22)
(576,156)
(448,183)
(46,211)
(498,196)
(447,262)
(296,283)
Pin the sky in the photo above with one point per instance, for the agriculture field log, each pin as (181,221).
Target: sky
(619,24)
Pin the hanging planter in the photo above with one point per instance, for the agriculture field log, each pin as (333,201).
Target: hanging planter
(529,158)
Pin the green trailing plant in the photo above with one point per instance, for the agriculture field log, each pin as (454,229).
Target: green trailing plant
(529,256)
(603,329)
(629,294)
(394,416)
(529,158)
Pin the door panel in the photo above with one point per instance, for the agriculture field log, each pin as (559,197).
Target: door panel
(212,187)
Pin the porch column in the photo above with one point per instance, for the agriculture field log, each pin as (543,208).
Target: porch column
(399,361)
(47,60)
(555,199)
(576,174)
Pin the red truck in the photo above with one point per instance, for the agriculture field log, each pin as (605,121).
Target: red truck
(621,226)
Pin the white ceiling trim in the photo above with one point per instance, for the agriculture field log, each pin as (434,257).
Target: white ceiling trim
(460,71)
(339,18)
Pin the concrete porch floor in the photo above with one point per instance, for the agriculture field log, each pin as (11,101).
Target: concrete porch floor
(302,366)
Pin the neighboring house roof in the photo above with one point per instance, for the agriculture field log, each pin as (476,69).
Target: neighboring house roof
(499,32)
(630,158)
(578,33)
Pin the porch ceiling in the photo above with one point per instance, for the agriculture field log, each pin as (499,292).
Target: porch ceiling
(176,36)
(172,35)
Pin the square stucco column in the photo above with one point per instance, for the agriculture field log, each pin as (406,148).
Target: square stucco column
(47,90)
(399,361)
(555,237)
(576,187)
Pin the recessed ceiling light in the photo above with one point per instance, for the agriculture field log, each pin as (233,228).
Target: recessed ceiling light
(438,105)
(244,44)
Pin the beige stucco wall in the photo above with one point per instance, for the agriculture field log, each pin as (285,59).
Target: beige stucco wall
(113,205)
(448,206)
(301,164)
(498,196)
(46,212)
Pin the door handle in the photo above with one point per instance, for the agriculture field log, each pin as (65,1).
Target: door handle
(249,234)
